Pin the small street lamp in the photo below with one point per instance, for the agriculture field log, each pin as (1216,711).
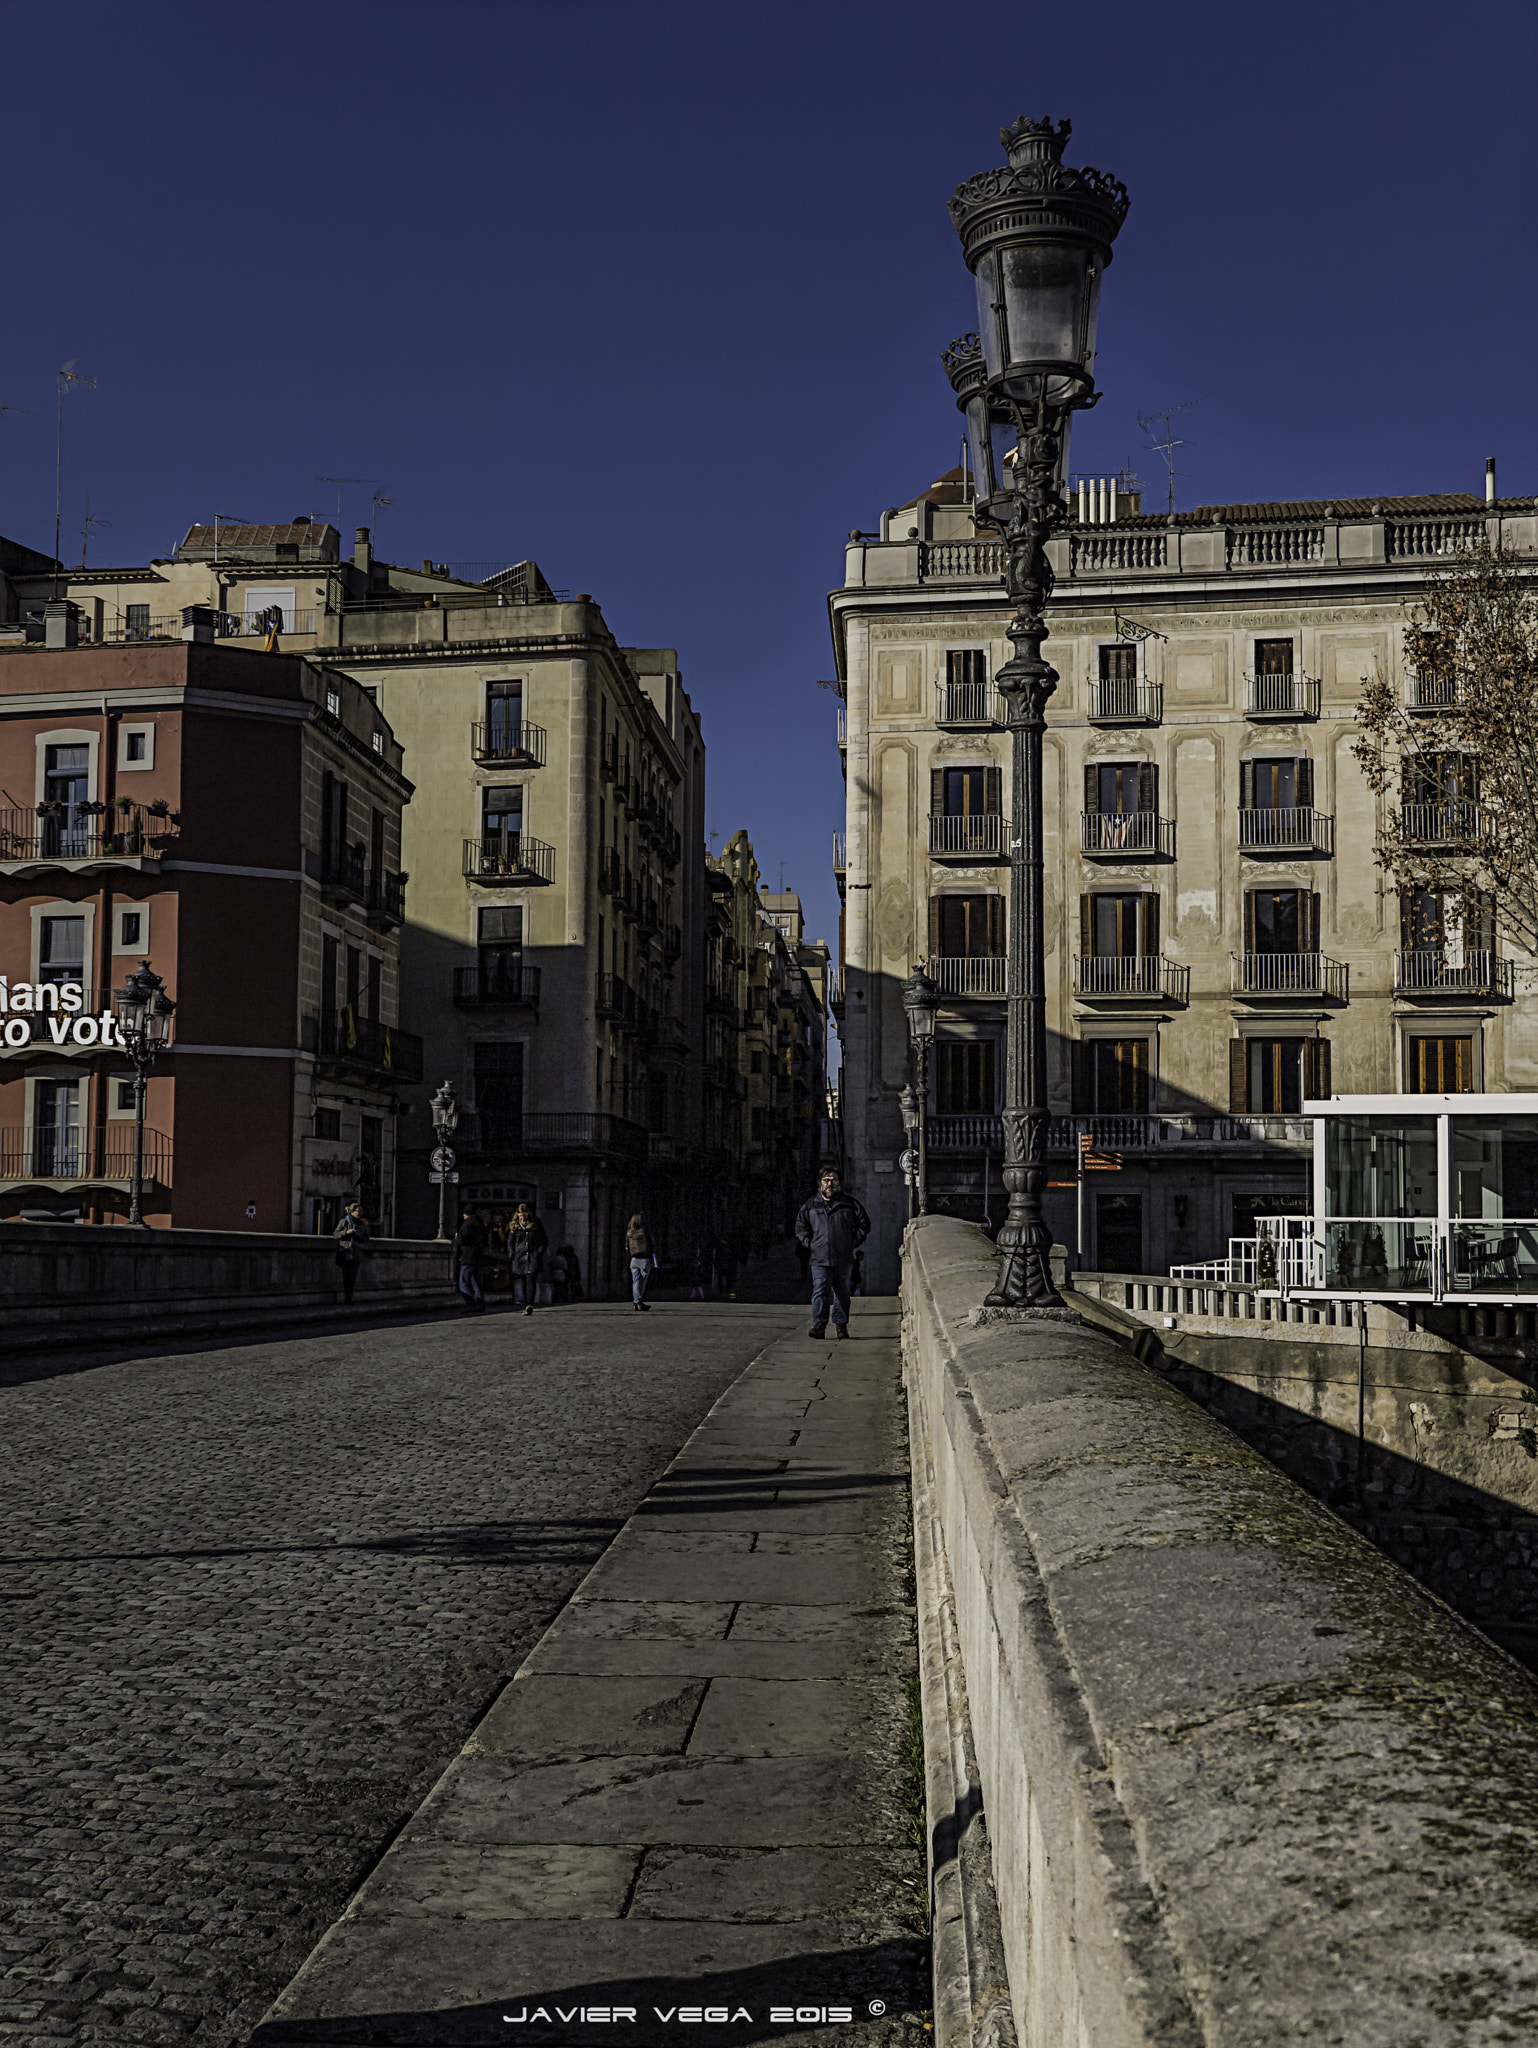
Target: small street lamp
(908,1103)
(1037,237)
(143,1026)
(921,1001)
(445,1122)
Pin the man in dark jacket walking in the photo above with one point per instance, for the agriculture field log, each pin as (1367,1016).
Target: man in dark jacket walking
(469,1251)
(832,1226)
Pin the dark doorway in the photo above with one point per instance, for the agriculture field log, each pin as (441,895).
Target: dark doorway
(1119,1233)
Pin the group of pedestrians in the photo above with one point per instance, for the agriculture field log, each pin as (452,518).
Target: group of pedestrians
(522,1246)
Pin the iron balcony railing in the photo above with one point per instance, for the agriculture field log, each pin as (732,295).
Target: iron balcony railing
(1287,696)
(122,632)
(31,1152)
(1432,692)
(48,832)
(509,857)
(367,1042)
(1126,835)
(980,834)
(497,984)
(1123,700)
(344,869)
(1131,974)
(608,872)
(1432,973)
(1441,824)
(256,625)
(1289,974)
(579,1133)
(508,742)
(608,757)
(387,898)
(968,704)
(978,975)
(1300,830)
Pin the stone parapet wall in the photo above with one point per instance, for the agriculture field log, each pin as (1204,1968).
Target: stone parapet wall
(1245,1780)
(79,1283)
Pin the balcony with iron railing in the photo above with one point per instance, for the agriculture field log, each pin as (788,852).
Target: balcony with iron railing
(1124,700)
(497,983)
(1144,976)
(1432,692)
(1290,974)
(985,974)
(507,743)
(964,705)
(670,846)
(978,835)
(1281,831)
(1433,972)
(1281,696)
(343,872)
(608,871)
(49,1152)
(1126,835)
(1455,824)
(608,757)
(87,835)
(672,944)
(509,859)
(386,898)
(353,1041)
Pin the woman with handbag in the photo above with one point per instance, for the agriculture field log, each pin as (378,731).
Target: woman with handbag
(527,1243)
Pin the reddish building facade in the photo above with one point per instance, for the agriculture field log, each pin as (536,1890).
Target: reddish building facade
(233,817)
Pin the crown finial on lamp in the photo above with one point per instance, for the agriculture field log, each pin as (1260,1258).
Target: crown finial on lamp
(1029,141)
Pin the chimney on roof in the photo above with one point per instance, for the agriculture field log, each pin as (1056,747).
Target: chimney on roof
(1489,479)
(61,623)
(198,624)
(362,553)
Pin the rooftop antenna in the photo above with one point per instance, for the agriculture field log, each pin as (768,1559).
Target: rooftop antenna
(69,377)
(380,504)
(339,481)
(89,528)
(1148,421)
(234,519)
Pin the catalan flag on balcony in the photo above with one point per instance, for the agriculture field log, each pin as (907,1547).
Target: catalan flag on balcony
(274,620)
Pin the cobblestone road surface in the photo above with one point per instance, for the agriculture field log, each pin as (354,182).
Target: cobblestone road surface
(252,1600)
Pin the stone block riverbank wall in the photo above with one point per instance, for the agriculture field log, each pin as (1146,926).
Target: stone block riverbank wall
(1245,1781)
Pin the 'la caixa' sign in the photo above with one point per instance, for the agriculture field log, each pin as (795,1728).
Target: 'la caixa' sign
(52,1010)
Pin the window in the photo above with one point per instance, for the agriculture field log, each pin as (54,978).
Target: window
(504,717)
(56,1149)
(502,813)
(276,597)
(1495,1167)
(499,1094)
(758,1127)
(965,792)
(1118,661)
(376,845)
(328,1124)
(499,939)
(1273,657)
(966,927)
(1276,782)
(61,949)
(1281,921)
(964,1077)
(1110,1077)
(1441,778)
(136,619)
(329,957)
(1119,1233)
(333,702)
(375,987)
(1121,788)
(123,1089)
(132,930)
(1119,926)
(371,1164)
(378,741)
(1380,1166)
(1439,1066)
(333,824)
(1274,1076)
(135,746)
(67,783)
(1439,922)
(354,977)
(966,667)
(756,1063)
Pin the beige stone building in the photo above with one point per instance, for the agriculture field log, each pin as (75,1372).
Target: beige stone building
(1220,942)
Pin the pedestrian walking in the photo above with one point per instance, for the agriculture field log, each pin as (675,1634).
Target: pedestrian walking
(638,1243)
(469,1256)
(351,1236)
(832,1226)
(568,1254)
(527,1243)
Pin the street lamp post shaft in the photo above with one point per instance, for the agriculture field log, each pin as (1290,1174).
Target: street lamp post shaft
(136,1192)
(923,1130)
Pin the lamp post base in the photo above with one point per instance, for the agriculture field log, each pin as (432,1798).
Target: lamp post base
(1024,1241)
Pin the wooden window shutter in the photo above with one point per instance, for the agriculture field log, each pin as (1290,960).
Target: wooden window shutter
(1140,1077)
(995,927)
(1316,1069)
(934,928)
(1303,782)
(1249,920)
(1407,932)
(1087,926)
(1147,787)
(1150,907)
(1309,921)
(1083,1065)
(937,792)
(1092,788)
(953,665)
(993,789)
(1238,1099)
(1246,785)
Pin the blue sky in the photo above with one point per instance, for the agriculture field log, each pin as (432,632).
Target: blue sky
(656,294)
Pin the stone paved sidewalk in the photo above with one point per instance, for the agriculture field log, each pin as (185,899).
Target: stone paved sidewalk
(687,1808)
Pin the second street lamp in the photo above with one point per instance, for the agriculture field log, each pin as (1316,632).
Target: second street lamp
(1037,237)
(921,1003)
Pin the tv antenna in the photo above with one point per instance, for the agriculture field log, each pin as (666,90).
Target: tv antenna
(89,528)
(339,481)
(1149,420)
(380,504)
(18,408)
(69,379)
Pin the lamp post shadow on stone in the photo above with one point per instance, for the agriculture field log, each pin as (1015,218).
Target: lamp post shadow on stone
(1037,237)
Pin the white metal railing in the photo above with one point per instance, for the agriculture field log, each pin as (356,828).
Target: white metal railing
(1123,700)
(1218,1298)
(948,560)
(968,704)
(1431,972)
(1279,1255)
(979,832)
(1257,547)
(1432,693)
(1289,696)
(1103,553)
(1441,824)
(1130,974)
(1264,831)
(958,974)
(1289,974)
(1124,832)
(1403,537)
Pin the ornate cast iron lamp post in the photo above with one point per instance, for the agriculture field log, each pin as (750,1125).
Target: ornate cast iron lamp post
(445,1123)
(921,1001)
(1037,237)
(143,1027)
